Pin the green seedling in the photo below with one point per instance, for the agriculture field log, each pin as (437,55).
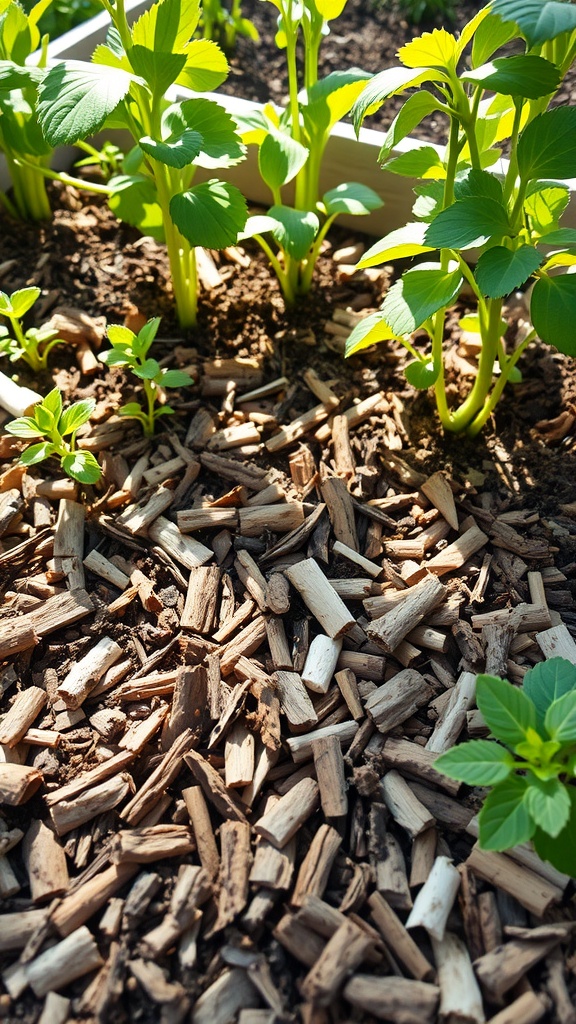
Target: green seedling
(466,201)
(125,86)
(33,345)
(291,147)
(58,427)
(531,770)
(224,24)
(129,349)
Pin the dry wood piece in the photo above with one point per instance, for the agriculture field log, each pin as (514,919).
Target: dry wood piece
(213,787)
(16,929)
(203,832)
(438,491)
(436,898)
(69,543)
(61,964)
(273,868)
(500,969)
(234,437)
(329,765)
(157,783)
(239,756)
(201,597)
(348,686)
(25,708)
(389,630)
(249,574)
(524,618)
(85,673)
(497,641)
(415,760)
(138,518)
(397,939)
(353,556)
(341,511)
(321,661)
(17,635)
(278,594)
(394,999)
(404,806)
(530,889)
(55,613)
(398,699)
(45,862)
(243,645)
(94,776)
(89,897)
(364,666)
(343,457)
(234,871)
(320,598)
(286,817)
(69,814)
(101,566)
(18,783)
(342,954)
(221,1001)
(307,421)
(317,864)
(188,708)
(452,557)
(151,843)
(189,552)
(557,642)
(451,721)
(274,518)
(527,1009)
(391,880)
(460,997)
(558,989)
(277,642)
(301,746)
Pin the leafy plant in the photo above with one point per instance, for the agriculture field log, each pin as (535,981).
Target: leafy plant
(291,146)
(62,15)
(33,345)
(464,202)
(59,427)
(129,349)
(223,24)
(531,769)
(125,87)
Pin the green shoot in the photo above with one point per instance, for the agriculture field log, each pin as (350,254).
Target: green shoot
(223,24)
(33,345)
(58,427)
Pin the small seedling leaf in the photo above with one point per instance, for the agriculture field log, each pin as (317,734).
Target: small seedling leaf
(421,162)
(37,453)
(24,426)
(400,244)
(418,295)
(211,214)
(422,374)
(21,301)
(175,379)
(131,409)
(148,371)
(81,466)
(372,329)
(77,414)
(549,805)
(53,402)
(477,763)
(351,198)
(414,109)
(280,158)
(295,231)
(504,819)
(120,335)
(508,711)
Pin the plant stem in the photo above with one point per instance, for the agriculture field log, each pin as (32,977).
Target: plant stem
(439,319)
(150,392)
(30,197)
(478,422)
(478,396)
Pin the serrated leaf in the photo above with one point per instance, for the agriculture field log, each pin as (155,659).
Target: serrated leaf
(553,311)
(477,763)
(547,682)
(177,151)
(14,76)
(148,371)
(508,711)
(547,146)
(158,70)
(504,820)
(206,66)
(280,158)
(418,295)
(37,453)
(75,415)
(75,99)
(549,805)
(420,162)
(295,230)
(523,75)
(413,110)
(369,331)
(120,335)
(559,850)
(167,26)
(211,214)
(81,466)
(388,83)
(538,20)
(221,145)
(544,205)
(146,335)
(24,426)
(134,200)
(113,357)
(422,374)
(489,37)
(400,244)
(500,271)
(436,49)
(175,379)
(560,721)
(429,201)
(475,183)
(353,198)
(467,223)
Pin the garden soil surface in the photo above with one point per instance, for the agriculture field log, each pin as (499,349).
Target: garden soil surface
(315,931)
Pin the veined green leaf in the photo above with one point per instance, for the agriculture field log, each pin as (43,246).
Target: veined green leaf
(369,331)
(477,763)
(547,146)
(500,270)
(177,151)
(175,379)
(504,819)
(538,20)
(37,453)
(413,110)
(352,198)
(508,711)
(418,295)
(76,98)
(562,236)
(295,231)
(429,200)
(489,37)
(148,371)
(553,311)
(167,27)
(53,402)
(420,162)
(547,682)
(260,224)
(544,205)
(206,66)
(81,466)
(471,29)
(549,805)
(559,850)
(19,302)
(24,426)
(331,98)
(221,145)
(388,83)
(422,373)
(280,158)
(467,223)
(400,244)
(75,415)
(134,201)
(479,184)
(436,49)
(521,75)
(14,76)
(159,70)
(560,721)
(211,214)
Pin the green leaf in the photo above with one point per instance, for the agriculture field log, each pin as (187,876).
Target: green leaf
(75,415)
(504,820)
(132,409)
(560,721)
(388,83)
(280,158)
(479,184)
(467,223)
(507,710)
(44,418)
(414,109)
(19,302)
(158,70)
(420,162)
(372,329)
(113,357)
(549,805)
(37,453)
(81,466)
(547,146)
(148,371)
(120,335)
(352,198)
(400,244)
(538,20)
(167,26)
(523,75)
(76,98)
(436,49)
(295,230)
(553,311)
(24,426)
(422,374)
(178,151)
(429,201)
(547,682)
(211,214)
(489,37)
(417,295)
(500,270)
(544,205)
(146,335)
(221,145)
(175,379)
(134,200)
(14,76)
(562,236)
(477,763)
(559,850)
(53,402)
(206,66)
(330,9)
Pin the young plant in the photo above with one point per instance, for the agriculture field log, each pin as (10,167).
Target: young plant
(125,87)
(468,200)
(58,427)
(223,24)
(129,349)
(33,345)
(291,146)
(531,770)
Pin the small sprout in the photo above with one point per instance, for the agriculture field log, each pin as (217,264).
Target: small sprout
(33,345)
(58,428)
(129,349)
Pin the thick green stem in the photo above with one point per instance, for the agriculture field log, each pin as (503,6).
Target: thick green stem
(30,196)
(278,269)
(478,396)
(479,421)
(61,176)
(148,422)
(439,319)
